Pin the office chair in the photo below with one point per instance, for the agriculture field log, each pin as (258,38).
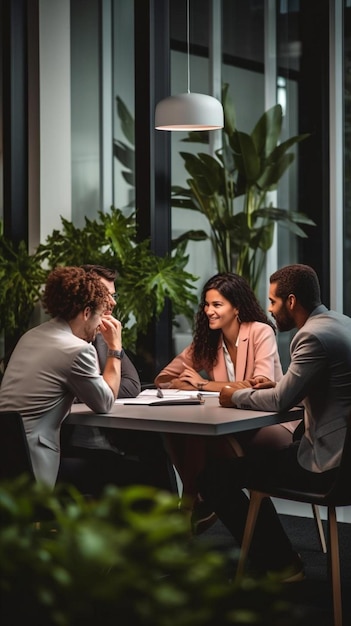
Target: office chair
(14,452)
(339,494)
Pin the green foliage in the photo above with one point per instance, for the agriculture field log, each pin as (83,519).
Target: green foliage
(232,190)
(145,280)
(21,278)
(125,559)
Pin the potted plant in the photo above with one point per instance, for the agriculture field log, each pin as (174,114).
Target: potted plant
(145,280)
(232,190)
(124,559)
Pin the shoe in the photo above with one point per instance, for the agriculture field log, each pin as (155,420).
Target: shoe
(202,517)
(292,573)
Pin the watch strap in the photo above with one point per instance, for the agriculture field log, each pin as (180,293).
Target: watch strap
(117,354)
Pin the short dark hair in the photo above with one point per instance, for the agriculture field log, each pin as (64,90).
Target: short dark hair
(299,280)
(104,272)
(69,290)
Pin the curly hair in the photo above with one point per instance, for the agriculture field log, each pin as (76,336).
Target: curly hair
(300,280)
(238,292)
(69,290)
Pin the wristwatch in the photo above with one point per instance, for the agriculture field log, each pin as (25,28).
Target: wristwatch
(118,354)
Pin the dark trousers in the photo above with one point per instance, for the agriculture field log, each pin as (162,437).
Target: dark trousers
(221,484)
(142,460)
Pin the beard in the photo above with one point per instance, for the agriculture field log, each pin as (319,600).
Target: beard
(284,320)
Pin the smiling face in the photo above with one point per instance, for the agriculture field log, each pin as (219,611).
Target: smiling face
(221,314)
(280,311)
(91,323)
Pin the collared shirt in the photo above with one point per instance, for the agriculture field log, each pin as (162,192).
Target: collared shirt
(228,363)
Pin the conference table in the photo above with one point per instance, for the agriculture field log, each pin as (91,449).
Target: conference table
(208,418)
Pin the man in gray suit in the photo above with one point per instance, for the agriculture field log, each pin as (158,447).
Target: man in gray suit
(55,362)
(319,378)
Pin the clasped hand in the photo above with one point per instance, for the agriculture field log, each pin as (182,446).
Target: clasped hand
(188,379)
(111,330)
(226,393)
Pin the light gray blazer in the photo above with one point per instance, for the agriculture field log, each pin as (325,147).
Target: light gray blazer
(319,377)
(49,367)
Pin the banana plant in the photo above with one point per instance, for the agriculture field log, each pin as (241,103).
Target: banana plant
(232,190)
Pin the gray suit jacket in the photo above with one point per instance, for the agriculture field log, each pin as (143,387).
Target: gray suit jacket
(49,367)
(319,377)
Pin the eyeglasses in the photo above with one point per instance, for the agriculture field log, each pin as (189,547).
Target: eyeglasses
(114,295)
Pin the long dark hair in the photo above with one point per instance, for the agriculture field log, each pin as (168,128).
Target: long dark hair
(238,292)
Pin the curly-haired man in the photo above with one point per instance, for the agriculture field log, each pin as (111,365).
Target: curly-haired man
(55,362)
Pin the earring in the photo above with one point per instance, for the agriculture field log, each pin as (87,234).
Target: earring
(238,318)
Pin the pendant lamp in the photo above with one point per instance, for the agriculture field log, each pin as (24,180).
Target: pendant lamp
(189,111)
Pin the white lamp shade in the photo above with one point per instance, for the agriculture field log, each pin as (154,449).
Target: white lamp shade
(189,111)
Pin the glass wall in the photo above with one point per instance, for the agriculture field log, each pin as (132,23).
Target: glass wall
(123,104)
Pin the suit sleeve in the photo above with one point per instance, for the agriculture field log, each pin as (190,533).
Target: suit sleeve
(308,362)
(87,384)
(130,382)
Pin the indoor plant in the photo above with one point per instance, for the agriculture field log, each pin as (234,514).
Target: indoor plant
(231,189)
(125,559)
(145,280)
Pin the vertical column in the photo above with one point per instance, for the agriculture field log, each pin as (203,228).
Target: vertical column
(33,126)
(336,125)
(152,153)
(270,99)
(15,116)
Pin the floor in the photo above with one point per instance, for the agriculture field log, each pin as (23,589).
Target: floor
(313,595)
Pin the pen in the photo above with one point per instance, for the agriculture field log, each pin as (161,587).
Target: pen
(159,393)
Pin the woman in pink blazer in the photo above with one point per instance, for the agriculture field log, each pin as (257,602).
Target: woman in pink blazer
(233,341)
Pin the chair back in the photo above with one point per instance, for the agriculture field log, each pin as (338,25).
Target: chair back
(14,451)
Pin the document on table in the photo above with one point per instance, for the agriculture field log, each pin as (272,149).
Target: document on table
(153,397)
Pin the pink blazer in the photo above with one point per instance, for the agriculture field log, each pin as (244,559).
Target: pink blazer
(257,355)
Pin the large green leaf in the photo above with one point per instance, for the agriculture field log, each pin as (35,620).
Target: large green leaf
(229,110)
(272,173)
(267,131)
(206,171)
(245,156)
(278,151)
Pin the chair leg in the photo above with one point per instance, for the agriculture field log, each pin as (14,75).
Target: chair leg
(320,530)
(255,502)
(335,565)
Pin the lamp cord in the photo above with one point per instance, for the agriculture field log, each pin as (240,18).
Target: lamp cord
(188,39)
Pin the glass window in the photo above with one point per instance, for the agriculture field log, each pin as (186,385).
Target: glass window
(123,104)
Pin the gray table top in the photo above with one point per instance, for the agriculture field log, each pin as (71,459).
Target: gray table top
(202,419)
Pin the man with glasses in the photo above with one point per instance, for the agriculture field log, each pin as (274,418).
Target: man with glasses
(139,449)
